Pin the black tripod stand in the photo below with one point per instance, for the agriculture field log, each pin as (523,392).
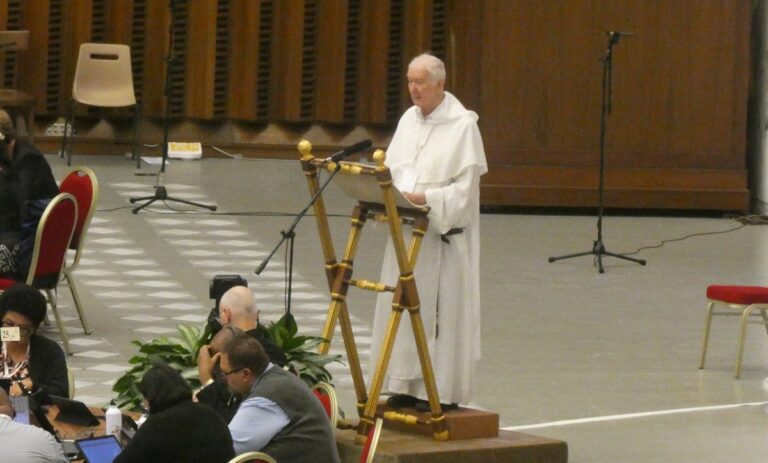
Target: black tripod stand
(161,194)
(598,248)
(290,235)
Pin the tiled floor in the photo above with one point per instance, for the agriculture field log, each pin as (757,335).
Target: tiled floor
(606,362)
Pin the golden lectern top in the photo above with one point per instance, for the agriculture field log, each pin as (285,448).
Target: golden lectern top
(372,187)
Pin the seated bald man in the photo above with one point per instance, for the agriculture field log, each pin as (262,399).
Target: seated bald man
(239,314)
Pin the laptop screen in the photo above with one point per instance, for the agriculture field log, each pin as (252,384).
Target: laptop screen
(102,449)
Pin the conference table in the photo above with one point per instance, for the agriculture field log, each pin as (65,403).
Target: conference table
(69,431)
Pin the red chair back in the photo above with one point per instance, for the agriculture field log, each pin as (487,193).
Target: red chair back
(325,400)
(54,234)
(82,184)
(371,442)
(326,394)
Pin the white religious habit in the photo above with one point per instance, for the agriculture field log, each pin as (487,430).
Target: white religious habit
(441,155)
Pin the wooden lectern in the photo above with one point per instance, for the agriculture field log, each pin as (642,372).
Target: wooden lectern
(372,187)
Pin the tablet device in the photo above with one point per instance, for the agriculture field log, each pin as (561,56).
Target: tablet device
(74,412)
(41,416)
(102,449)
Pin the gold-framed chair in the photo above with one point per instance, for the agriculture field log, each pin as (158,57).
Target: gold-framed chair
(12,99)
(371,442)
(253,457)
(52,239)
(71,383)
(103,78)
(81,183)
(744,301)
(327,396)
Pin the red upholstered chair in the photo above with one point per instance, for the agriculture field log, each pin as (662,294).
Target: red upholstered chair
(371,442)
(745,301)
(327,396)
(54,233)
(81,183)
(253,457)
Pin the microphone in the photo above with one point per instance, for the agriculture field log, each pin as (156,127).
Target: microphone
(348,151)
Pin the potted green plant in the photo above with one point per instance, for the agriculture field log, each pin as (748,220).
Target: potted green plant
(181,353)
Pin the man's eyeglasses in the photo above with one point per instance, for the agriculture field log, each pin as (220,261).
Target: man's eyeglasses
(23,330)
(227,373)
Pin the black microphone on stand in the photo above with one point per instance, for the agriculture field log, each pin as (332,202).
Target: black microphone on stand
(348,151)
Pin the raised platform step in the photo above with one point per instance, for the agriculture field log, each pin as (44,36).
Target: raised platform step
(464,423)
(508,447)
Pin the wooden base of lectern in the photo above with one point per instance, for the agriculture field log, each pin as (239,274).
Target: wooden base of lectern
(507,447)
(463,423)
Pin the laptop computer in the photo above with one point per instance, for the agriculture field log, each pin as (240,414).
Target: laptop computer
(102,449)
(73,411)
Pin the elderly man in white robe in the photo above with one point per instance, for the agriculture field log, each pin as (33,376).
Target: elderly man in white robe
(436,157)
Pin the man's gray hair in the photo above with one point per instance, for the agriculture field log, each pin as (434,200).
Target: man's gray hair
(240,301)
(434,66)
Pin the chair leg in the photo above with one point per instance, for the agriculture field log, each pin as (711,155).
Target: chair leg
(55,310)
(707,326)
(764,314)
(63,151)
(136,149)
(76,297)
(67,139)
(742,335)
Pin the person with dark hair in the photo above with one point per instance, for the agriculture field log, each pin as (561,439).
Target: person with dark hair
(34,362)
(26,187)
(177,429)
(10,221)
(32,174)
(22,443)
(279,414)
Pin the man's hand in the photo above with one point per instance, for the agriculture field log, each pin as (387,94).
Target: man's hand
(205,364)
(419,199)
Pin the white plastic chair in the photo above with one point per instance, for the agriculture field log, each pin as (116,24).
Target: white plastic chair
(103,78)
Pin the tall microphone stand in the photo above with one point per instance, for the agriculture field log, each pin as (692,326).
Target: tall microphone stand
(161,194)
(290,235)
(598,248)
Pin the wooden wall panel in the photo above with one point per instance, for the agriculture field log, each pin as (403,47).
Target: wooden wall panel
(200,59)
(463,53)
(287,64)
(76,26)
(372,77)
(243,59)
(679,87)
(34,62)
(335,69)
(156,33)
(331,58)
(119,21)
